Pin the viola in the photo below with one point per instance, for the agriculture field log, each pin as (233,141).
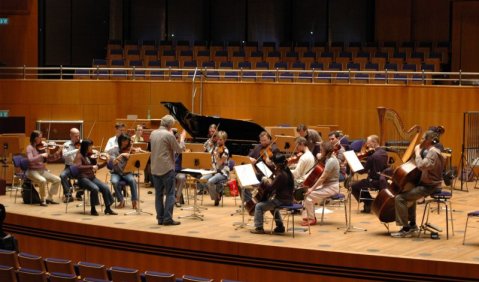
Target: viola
(364,154)
(266,153)
(294,158)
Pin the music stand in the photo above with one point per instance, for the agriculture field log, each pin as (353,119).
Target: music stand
(240,160)
(195,164)
(137,162)
(354,165)
(286,144)
(246,178)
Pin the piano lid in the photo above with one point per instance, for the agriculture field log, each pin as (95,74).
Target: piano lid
(239,131)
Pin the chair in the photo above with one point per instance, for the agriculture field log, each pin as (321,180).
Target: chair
(9,259)
(59,265)
(62,277)
(153,276)
(473,214)
(92,270)
(189,278)
(7,273)
(31,275)
(290,210)
(31,261)
(121,274)
(19,174)
(336,198)
(439,198)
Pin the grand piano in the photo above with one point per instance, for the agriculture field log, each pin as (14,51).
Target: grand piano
(242,135)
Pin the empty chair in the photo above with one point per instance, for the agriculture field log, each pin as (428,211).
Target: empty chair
(189,278)
(153,276)
(123,274)
(31,275)
(298,65)
(244,65)
(62,277)
(7,273)
(92,270)
(31,261)
(19,175)
(317,66)
(280,65)
(473,214)
(9,258)
(226,65)
(59,265)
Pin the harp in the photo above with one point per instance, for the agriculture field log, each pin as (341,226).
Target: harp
(393,135)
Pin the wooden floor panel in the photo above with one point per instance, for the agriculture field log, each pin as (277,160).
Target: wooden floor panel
(216,235)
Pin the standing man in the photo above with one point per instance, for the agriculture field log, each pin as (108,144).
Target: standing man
(163,149)
(312,137)
(70,149)
(430,162)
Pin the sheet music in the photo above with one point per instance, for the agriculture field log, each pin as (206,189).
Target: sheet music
(197,171)
(246,175)
(264,169)
(353,161)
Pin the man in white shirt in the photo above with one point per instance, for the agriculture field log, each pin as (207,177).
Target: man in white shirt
(306,161)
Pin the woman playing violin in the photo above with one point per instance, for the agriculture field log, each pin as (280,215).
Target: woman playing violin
(37,154)
(219,161)
(89,181)
(326,186)
(305,162)
(120,157)
(376,163)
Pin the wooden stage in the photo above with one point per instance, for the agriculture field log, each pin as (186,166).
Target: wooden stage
(213,248)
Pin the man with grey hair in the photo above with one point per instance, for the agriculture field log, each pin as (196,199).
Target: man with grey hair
(70,149)
(163,149)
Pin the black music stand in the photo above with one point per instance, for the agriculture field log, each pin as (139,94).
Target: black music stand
(137,162)
(197,174)
(246,178)
(354,165)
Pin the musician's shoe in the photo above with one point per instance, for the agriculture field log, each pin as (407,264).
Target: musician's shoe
(367,209)
(52,202)
(258,230)
(279,230)
(121,204)
(43,204)
(68,199)
(309,222)
(134,204)
(171,222)
(110,211)
(178,204)
(217,202)
(403,233)
(94,212)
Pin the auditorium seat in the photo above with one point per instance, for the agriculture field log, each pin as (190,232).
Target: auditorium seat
(154,276)
(398,58)
(298,65)
(133,55)
(353,48)
(319,47)
(7,273)
(9,258)
(185,56)
(137,74)
(149,55)
(124,274)
(370,47)
(220,56)
(165,45)
(92,270)
(190,278)
(336,48)
(325,58)
(284,48)
(256,56)
(301,48)
(343,58)
(308,58)
(31,275)
(199,45)
(416,58)
(290,57)
(182,45)
(272,57)
(202,56)
(216,46)
(280,66)
(268,46)
(317,66)
(147,45)
(233,46)
(237,57)
(115,54)
(361,58)
(113,44)
(130,45)
(167,56)
(31,261)
(62,277)
(250,47)
(59,265)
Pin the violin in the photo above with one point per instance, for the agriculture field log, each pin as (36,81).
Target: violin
(266,153)
(294,158)
(366,153)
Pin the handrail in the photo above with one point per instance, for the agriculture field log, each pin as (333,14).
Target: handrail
(386,76)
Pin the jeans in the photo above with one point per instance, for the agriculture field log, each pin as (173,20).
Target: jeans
(129,179)
(164,196)
(406,204)
(213,181)
(262,207)
(65,177)
(94,186)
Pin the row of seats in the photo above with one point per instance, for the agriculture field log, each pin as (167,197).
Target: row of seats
(359,53)
(29,267)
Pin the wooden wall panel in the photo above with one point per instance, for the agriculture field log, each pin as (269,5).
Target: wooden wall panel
(465,38)
(22,34)
(431,20)
(393,20)
(352,107)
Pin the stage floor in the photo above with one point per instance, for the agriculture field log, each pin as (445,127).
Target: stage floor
(218,224)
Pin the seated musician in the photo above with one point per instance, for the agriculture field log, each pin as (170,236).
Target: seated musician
(120,157)
(138,136)
(430,162)
(70,149)
(326,186)
(212,138)
(37,154)
(306,161)
(277,192)
(376,163)
(313,138)
(113,141)
(219,161)
(89,181)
